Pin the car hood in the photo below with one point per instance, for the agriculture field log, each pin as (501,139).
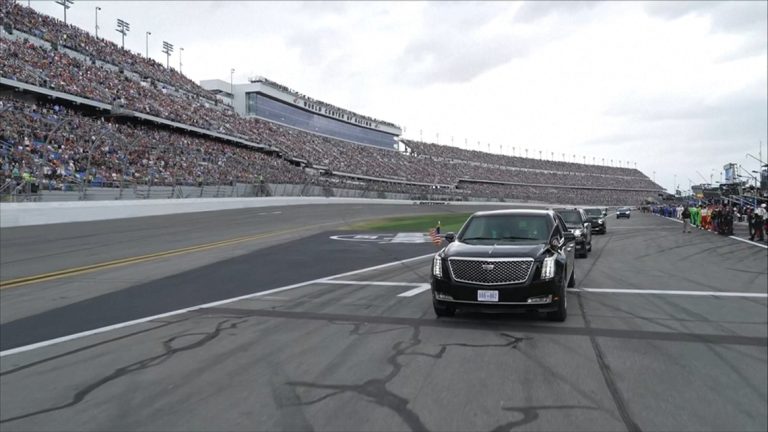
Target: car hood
(506,250)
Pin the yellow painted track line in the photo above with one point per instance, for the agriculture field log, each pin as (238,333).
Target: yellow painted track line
(143,258)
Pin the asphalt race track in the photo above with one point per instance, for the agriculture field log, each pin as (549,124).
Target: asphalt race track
(666,331)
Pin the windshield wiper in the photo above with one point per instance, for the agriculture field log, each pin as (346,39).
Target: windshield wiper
(478,238)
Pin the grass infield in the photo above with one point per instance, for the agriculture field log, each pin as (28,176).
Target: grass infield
(449,222)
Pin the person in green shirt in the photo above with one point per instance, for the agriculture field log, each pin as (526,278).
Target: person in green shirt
(697,216)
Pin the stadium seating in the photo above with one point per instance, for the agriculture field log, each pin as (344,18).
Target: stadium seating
(101,71)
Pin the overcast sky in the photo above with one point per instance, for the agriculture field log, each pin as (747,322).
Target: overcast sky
(677,87)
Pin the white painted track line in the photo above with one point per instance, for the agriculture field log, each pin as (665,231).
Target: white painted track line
(749,241)
(202,306)
(349,282)
(670,292)
(420,289)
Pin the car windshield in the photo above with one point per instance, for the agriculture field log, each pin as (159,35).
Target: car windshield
(623,209)
(593,212)
(571,217)
(505,228)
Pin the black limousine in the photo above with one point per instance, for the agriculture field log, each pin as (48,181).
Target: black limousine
(506,260)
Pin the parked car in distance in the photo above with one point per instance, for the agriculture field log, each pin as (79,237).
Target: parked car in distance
(596,217)
(623,212)
(576,221)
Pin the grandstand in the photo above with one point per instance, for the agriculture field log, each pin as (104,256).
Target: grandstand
(104,116)
(277,103)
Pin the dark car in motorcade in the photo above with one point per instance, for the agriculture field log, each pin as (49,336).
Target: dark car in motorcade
(505,260)
(623,212)
(576,221)
(596,217)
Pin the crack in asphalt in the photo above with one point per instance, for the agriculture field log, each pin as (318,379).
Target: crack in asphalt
(531,414)
(375,389)
(605,368)
(169,351)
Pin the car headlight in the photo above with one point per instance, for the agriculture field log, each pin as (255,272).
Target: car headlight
(548,268)
(601,221)
(577,233)
(437,267)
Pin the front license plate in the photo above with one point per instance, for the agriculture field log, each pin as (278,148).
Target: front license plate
(483,295)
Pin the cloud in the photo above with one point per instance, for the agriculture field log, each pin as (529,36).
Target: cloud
(536,10)
(724,16)
(459,41)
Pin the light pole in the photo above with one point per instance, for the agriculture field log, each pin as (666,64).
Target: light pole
(123,28)
(167,49)
(232,89)
(97,20)
(181,50)
(146,44)
(66,4)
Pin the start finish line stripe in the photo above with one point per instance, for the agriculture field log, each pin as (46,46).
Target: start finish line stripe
(670,292)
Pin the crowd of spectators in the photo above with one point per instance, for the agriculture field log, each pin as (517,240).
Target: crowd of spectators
(560,195)
(58,146)
(54,31)
(42,64)
(486,158)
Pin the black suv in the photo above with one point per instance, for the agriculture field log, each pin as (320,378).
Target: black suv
(577,223)
(596,218)
(505,259)
(623,212)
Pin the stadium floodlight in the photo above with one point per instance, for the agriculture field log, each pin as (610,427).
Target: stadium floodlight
(97,21)
(123,28)
(146,44)
(167,50)
(66,4)
(231,82)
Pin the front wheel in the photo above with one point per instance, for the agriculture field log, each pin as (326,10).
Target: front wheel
(561,313)
(443,310)
(572,280)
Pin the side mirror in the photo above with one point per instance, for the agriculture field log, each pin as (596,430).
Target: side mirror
(450,237)
(605,213)
(569,237)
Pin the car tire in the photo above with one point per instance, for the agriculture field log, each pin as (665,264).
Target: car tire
(561,313)
(589,248)
(443,310)
(572,280)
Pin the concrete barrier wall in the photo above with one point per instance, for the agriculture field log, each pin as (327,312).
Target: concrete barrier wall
(42,213)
